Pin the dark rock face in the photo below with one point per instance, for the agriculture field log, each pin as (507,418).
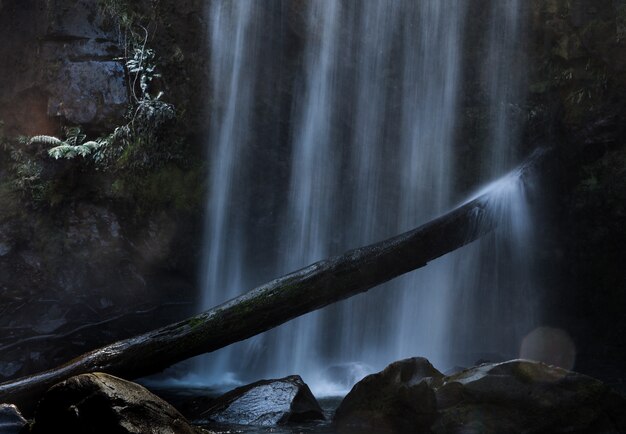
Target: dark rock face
(396,400)
(578,63)
(267,402)
(86,86)
(74,75)
(11,421)
(101,403)
(56,283)
(530,397)
(87,92)
(517,396)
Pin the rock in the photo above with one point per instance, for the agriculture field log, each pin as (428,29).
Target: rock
(9,368)
(398,399)
(86,85)
(8,232)
(101,403)
(88,91)
(517,396)
(521,396)
(11,420)
(266,402)
(5,249)
(78,19)
(74,76)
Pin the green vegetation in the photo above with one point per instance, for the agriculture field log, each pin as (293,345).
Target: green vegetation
(146,162)
(24,170)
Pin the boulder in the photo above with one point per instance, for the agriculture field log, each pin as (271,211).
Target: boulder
(517,396)
(398,399)
(266,403)
(11,421)
(101,403)
(521,396)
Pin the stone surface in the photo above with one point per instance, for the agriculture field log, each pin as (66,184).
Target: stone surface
(75,76)
(267,402)
(5,249)
(88,92)
(76,18)
(517,396)
(11,421)
(101,403)
(56,283)
(398,399)
(521,396)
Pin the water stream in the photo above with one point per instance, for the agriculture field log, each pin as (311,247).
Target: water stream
(347,136)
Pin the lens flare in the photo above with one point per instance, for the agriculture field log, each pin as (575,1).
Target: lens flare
(549,345)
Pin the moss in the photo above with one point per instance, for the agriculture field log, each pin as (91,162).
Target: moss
(168,187)
(540,87)
(568,47)
(195,322)
(122,13)
(11,207)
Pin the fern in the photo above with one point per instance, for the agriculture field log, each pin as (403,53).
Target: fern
(68,151)
(74,136)
(45,140)
(63,151)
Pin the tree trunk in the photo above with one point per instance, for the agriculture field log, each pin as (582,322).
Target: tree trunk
(272,304)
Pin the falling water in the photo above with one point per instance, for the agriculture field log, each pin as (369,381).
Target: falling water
(233,74)
(368,150)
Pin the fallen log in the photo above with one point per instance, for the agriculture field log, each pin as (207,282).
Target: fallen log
(276,302)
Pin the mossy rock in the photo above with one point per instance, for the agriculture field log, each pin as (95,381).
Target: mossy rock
(398,399)
(522,396)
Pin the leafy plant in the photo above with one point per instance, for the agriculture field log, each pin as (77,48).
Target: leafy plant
(147,156)
(73,146)
(45,141)
(25,169)
(71,151)
(142,67)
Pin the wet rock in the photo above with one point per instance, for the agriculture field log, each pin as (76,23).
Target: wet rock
(267,402)
(11,420)
(398,399)
(521,396)
(517,396)
(101,403)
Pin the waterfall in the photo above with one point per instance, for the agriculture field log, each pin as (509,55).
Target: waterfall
(233,75)
(363,145)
